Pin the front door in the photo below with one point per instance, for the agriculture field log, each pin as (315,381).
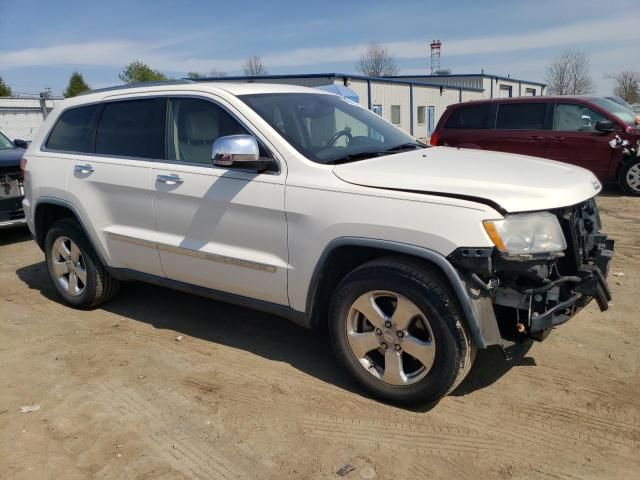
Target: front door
(575,140)
(218,228)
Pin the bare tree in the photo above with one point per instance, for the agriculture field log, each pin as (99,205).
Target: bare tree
(254,67)
(214,72)
(569,74)
(377,61)
(627,85)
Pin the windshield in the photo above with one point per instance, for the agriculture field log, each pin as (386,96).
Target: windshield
(623,113)
(327,128)
(5,142)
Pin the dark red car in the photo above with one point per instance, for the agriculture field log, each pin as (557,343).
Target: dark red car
(575,130)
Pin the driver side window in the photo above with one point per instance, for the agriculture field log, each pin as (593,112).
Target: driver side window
(193,125)
(571,117)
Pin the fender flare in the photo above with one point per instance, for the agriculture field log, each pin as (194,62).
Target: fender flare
(69,206)
(469,310)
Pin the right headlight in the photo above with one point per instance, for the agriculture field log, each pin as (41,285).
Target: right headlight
(525,234)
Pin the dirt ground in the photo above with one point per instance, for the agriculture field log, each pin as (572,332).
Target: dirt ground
(160,384)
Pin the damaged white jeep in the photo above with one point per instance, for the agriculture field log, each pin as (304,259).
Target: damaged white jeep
(306,205)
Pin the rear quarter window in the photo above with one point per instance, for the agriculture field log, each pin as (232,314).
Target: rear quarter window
(72,131)
(472,116)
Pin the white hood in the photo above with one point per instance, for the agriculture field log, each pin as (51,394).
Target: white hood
(517,183)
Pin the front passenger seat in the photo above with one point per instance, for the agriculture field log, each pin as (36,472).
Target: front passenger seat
(198,130)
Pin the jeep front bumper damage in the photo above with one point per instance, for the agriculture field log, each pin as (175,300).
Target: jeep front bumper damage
(520,299)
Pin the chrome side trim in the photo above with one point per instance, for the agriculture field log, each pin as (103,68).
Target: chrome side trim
(212,257)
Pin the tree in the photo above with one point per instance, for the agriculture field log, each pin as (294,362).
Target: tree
(138,72)
(5,90)
(254,67)
(627,85)
(214,72)
(76,85)
(569,74)
(377,61)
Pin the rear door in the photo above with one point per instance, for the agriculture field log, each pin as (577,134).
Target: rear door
(575,140)
(519,128)
(220,228)
(108,175)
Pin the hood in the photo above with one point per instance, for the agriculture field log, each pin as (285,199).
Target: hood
(507,182)
(10,157)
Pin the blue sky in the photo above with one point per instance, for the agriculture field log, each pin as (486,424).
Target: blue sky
(42,42)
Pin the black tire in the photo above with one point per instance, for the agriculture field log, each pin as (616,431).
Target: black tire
(629,171)
(427,289)
(100,287)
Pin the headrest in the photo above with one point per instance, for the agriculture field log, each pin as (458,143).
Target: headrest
(199,126)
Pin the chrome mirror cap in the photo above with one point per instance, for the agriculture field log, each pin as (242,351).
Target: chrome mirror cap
(234,149)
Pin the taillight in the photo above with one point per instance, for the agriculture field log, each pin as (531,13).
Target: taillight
(435,139)
(23,165)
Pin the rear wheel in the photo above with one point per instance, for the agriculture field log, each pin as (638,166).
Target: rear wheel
(74,267)
(396,327)
(630,177)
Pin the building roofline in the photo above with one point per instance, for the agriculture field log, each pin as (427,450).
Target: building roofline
(484,75)
(337,75)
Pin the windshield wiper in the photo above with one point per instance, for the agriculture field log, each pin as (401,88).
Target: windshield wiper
(353,157)
(405,146)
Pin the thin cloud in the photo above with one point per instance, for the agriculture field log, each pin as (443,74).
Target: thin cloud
(164,57)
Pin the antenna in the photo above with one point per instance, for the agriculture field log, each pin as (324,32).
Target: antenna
(436,45)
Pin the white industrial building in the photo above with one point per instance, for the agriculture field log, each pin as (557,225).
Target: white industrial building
(21,117)
(414,103)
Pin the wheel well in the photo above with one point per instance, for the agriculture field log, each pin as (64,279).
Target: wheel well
(46,215)
(343,260)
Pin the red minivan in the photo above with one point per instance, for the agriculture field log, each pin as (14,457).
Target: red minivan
(570,129)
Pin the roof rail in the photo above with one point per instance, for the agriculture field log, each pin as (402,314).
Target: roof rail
(183,81)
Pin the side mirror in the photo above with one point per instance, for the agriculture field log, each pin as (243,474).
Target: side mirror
(605,126)
(235,150)
(21,143)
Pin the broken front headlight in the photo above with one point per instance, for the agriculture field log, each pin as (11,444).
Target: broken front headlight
(526,234)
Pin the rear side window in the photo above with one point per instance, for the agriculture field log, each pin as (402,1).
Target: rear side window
(521,116)
(72,132)
(132,128)
(472,116)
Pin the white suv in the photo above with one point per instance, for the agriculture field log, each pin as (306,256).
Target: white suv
(306,205)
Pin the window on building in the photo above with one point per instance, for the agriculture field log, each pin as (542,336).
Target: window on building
(132,128)
(395,114)
(530,92)
(571,117)
(422,114)
(72,132)
(505,91)
(471,116)
(377,109)
(521,116)
(192,127)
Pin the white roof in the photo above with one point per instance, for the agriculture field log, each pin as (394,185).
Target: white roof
(240,88)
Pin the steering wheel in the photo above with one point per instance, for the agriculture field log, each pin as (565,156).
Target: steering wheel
(342,133)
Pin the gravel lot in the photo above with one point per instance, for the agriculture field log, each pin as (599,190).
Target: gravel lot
(160,384)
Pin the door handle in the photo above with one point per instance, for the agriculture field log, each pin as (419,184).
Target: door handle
(171,179)
(558,138)
(83,169)
(537,137)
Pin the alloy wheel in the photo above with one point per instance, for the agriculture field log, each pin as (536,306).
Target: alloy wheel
(69,268)
(633,177)
(390,337)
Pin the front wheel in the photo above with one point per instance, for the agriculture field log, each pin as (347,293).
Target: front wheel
(396,327)
(630,177)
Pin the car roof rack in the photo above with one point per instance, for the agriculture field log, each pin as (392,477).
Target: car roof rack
(183,81)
